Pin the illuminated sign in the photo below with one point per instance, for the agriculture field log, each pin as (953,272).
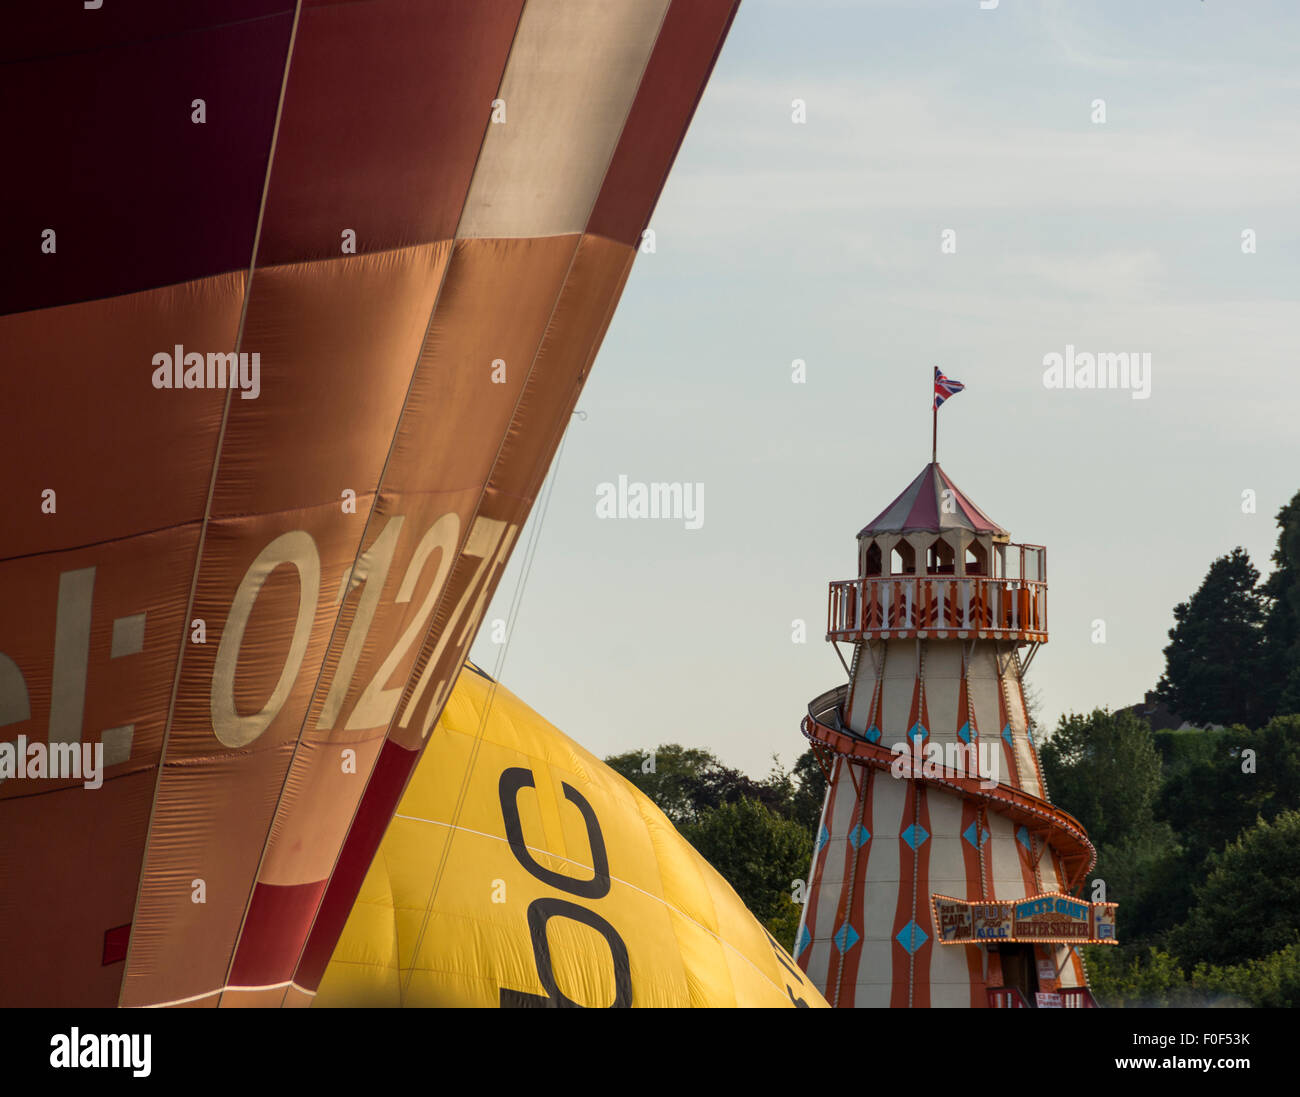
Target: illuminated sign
(1051,917)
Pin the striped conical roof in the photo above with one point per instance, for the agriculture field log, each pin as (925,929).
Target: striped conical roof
(918,509)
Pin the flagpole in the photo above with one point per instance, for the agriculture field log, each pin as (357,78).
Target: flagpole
(934,429)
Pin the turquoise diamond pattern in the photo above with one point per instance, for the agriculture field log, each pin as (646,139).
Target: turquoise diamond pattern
(1022,836)
(918,731)
(963,732)
(912,937)
(846,938)
(1006,734)
(823,837)
(805,939)
(915,835)
(969,835)
(859,836)
(873,734)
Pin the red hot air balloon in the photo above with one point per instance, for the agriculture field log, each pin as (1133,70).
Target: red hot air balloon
(298,300)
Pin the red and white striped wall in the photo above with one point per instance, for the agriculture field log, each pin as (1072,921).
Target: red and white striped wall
(886,844)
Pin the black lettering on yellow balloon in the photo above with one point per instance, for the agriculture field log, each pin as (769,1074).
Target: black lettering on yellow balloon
(512,780)
(541,911)
(779,953)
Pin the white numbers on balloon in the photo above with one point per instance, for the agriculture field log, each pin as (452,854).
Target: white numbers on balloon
(371,570)
(489,541)
(296,548)
(377,704)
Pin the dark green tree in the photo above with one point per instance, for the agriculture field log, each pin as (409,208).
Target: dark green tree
(1103,768)
(1148,876)
(1182,748)
(757,834)
(1249,906)
(686,781)
(809,791)
(1155,978)
(1248,774)
(1215,658)
(760,854)
(1280,683)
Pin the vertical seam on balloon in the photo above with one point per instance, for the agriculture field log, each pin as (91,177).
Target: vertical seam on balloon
(207,507)
(433,616)
(561,427)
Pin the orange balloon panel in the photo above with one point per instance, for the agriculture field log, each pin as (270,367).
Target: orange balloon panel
(294,323)
(81,418)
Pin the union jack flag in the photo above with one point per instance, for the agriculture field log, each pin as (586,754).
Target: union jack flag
(944,387)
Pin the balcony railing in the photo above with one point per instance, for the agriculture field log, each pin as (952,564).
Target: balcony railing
(1078,998)
(901,606)
(1013,998)
(1006,998)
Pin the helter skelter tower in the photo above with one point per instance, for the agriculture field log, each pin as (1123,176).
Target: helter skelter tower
(932,885)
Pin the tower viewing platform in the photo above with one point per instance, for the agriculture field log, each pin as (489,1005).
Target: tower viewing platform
(933,565)
(884,607)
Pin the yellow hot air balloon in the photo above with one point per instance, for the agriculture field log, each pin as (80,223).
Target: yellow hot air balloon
(520,870)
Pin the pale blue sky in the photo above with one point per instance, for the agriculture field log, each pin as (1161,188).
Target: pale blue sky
(822,242)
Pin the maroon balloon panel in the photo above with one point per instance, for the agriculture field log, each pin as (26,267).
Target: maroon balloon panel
(299,302)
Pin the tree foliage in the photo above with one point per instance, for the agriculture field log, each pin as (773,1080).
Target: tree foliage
(1242,775)
(809,791)
(685,782)
(1216,655)
(1103,768)
(1280,682)
(757,834)
(1156,978)
(1250,904)
(1147,874)
(759,852)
